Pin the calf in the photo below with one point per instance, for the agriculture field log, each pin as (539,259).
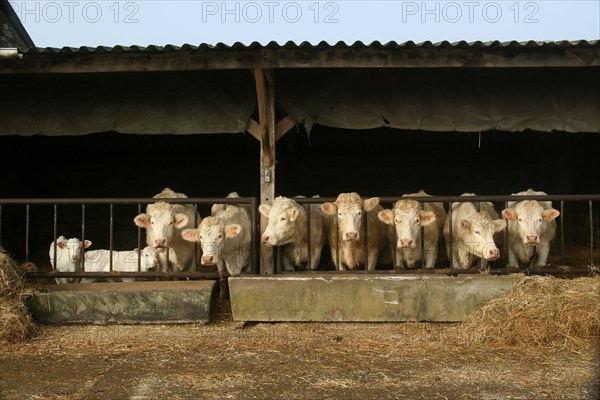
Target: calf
(407,218)
(350,232)
(68,256)
(163,223)
(531,225)
(225,238)
(123,261)
(472,234)
(287,227)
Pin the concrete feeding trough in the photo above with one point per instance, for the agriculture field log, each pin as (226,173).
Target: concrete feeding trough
(125,303)
(365,298)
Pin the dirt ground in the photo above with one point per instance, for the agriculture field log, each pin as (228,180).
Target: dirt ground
(287,361)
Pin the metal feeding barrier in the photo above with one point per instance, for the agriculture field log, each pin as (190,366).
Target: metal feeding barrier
(561,269)
(141,240)
(46,271)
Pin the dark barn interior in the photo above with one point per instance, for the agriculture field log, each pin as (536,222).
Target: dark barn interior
(377,162)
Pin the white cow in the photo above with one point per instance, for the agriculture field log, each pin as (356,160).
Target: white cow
(163,223)
(123,261)
(349,208)
(531,225)
(225,238)
(287,227)
(407,218)
(472,233)
(68,256)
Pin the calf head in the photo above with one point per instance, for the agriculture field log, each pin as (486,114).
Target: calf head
(72,248)
(212,235)
(529,216)
(408,218)
(149,259)
(282,216)
(478,234)
(163,222)
(349,208)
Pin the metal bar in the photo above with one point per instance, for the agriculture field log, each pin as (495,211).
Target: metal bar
(196,255)
(591,233)
(422,229)
(308,236)
(121,201)
(471,271)
(83,237)
(27,221)
(116,274)
(338,266)
(562,234)
(505,234)
(139,241)
(366,236)
(450,248)
(253,236)
(55,231)
(484,198)
(110,238)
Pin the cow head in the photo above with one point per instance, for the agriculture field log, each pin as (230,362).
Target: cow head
(163,222)
(349,208)
(529,216)
(478,233)
(282,216)
(408,218)
(212,235)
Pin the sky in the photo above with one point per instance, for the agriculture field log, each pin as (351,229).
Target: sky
(78,23)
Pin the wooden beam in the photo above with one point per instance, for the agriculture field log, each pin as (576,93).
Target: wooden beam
(134,60)
(284,127)
(253,128)
(261,99)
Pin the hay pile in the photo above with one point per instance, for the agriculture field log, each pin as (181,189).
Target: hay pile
(540,311)
(15,322)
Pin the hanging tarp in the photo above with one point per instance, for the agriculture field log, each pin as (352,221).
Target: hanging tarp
(444,99)
(136,102)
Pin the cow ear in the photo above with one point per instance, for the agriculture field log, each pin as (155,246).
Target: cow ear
(191,235)
(329,208)
(465,224)
(87,243)
(136,250)
(142,220)
(499,224)
(510,214)
(386,216)
(264,209)
(426,217)
(232,230)
(181,220)
(60,245)
(371,203)
(294,214)
(550,214)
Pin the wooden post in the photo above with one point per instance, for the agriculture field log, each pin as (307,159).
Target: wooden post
(265,93)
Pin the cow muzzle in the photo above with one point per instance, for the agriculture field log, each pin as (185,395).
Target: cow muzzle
(532,239)
(207,260)
(351,236)
(406,243)
(492,254)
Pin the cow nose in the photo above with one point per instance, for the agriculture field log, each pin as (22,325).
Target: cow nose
(351,235)
(406,242)
(532,238)
(493,254)
(207,259)
(265,238)
(160,242)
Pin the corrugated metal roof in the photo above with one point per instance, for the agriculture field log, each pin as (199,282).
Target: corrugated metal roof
(290,45)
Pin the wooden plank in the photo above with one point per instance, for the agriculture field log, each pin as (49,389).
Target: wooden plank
(284,127)
(328,57)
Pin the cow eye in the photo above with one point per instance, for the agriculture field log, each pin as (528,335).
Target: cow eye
(417,221)
(282,219)
(478,232)
(340,214)
(520,220)
(540,220)
(201,237)
(360,212)
(220,236)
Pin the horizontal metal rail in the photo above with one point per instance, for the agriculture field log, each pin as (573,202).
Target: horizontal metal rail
(471,271)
